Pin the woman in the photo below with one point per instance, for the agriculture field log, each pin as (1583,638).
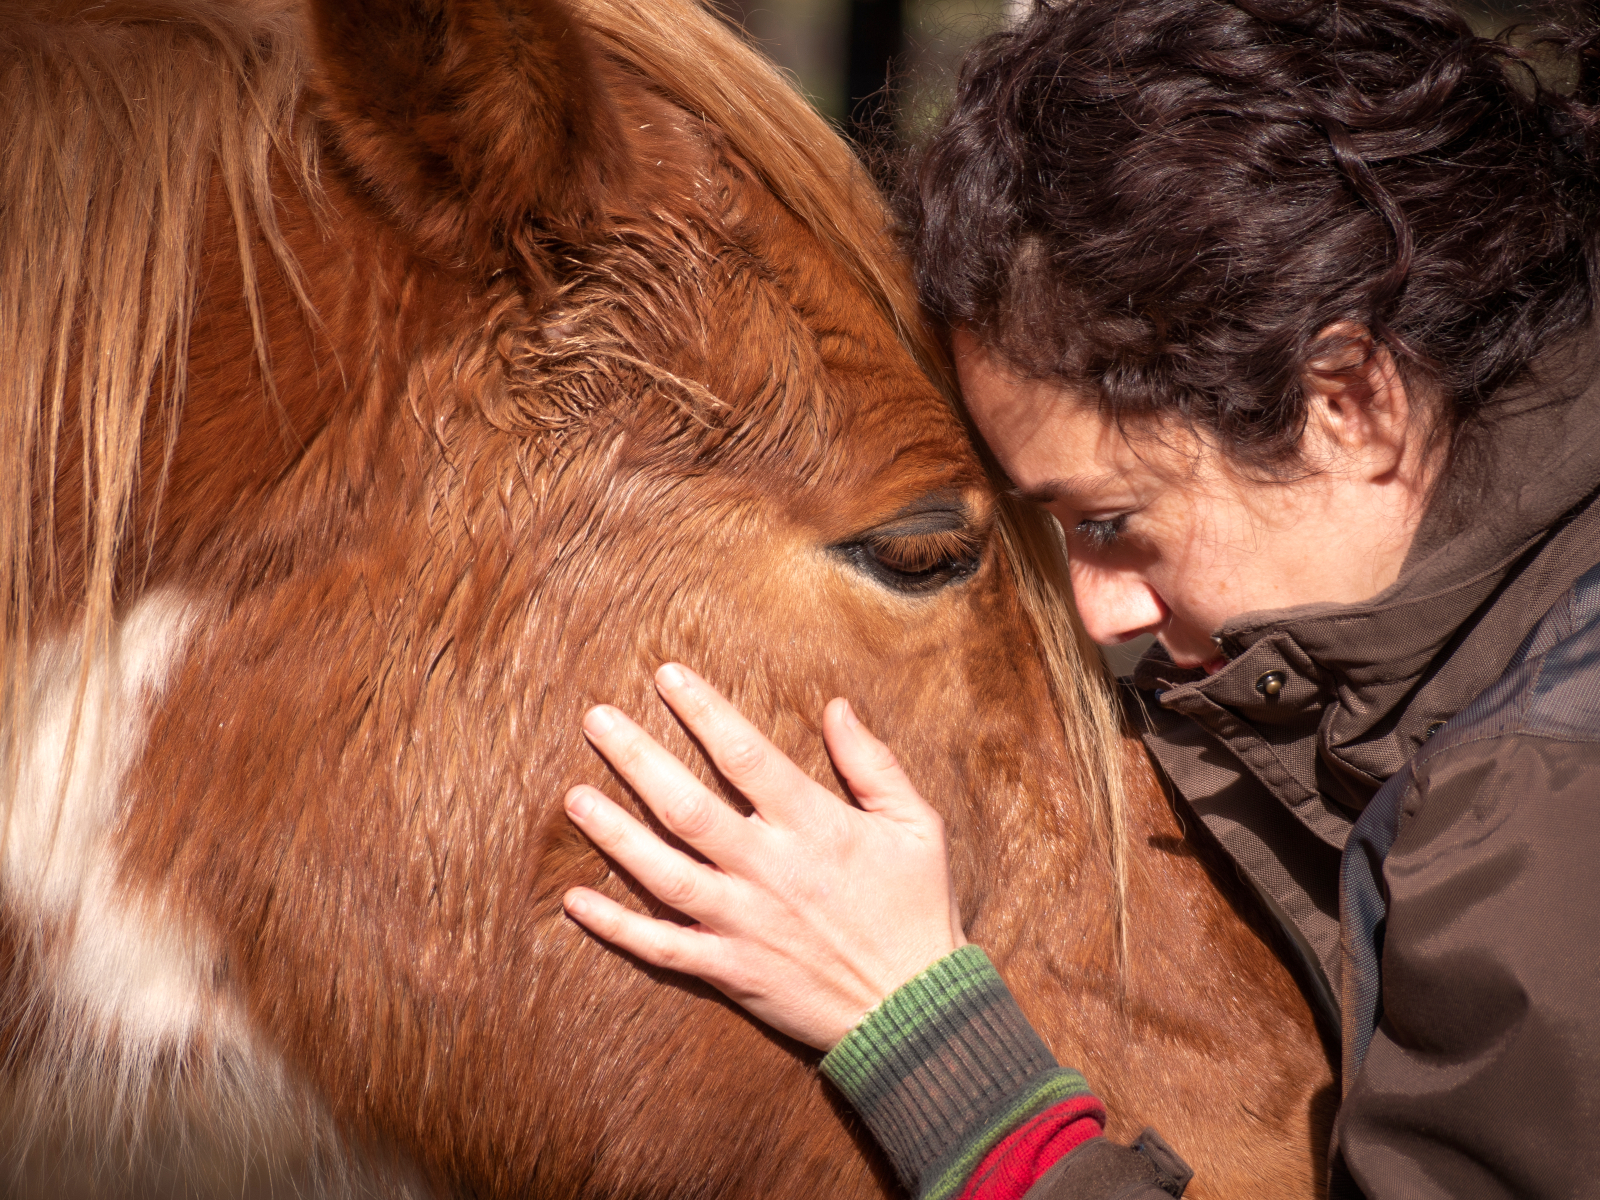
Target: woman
(1284,311)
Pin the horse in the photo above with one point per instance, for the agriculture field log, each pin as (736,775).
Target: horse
(387,381)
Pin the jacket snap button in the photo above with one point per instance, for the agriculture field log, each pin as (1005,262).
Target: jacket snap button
(1271,683)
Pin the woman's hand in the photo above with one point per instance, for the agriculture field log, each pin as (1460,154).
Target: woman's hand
(812,911)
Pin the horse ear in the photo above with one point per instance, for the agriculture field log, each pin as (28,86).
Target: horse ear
(480,124)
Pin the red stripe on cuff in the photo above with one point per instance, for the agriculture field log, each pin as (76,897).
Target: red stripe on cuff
(1016,1163)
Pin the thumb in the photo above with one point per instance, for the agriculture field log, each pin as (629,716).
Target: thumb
(869,767)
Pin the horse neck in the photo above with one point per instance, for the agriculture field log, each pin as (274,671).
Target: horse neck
(1193,998)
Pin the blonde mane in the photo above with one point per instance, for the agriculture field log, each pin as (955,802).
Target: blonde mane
(117,117)
(115,125)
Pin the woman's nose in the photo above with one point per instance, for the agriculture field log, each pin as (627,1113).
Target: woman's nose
(1116,606)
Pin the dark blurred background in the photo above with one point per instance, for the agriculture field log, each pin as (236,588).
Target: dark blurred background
(884,69)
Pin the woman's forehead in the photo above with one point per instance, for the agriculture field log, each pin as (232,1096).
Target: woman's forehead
(1054,441)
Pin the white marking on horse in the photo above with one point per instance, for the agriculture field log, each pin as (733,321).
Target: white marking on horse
(117,963)
(124,983)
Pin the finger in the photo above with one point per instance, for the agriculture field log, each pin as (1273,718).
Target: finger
(660,943)
(780,791)
(870,767)
(685,806)
(670,875)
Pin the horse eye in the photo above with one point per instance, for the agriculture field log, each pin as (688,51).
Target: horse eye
(917,562)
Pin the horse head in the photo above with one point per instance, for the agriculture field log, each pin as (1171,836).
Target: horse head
(396,379)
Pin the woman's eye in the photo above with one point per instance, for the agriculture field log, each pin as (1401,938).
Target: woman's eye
(1102,534)
(918,562)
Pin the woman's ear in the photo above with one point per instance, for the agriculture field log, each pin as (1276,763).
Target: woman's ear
(480,125)
(1357,403)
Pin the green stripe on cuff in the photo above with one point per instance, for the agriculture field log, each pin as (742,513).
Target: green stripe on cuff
(965,976)
(944,1068)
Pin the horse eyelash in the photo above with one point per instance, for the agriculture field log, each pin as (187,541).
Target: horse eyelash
(915,553)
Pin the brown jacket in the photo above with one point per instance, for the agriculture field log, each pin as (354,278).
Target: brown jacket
(1483,1077)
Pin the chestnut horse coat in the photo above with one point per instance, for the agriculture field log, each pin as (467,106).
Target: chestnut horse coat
(384,383)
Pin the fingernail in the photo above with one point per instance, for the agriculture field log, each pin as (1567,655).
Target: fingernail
(575,903)
(671,676)
(849,715)
(599,721)
(580,803)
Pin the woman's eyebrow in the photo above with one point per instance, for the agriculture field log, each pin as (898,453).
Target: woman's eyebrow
(1052,490)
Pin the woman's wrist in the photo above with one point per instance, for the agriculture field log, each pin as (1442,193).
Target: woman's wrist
(928,964)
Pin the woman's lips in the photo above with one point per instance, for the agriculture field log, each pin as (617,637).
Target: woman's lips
(1184,662)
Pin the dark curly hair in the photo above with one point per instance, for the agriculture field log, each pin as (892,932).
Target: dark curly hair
(1167,201)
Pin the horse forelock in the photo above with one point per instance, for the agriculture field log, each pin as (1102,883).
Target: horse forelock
(637,329)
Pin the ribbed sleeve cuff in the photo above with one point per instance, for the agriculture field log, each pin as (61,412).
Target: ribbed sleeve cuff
(944,1068)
